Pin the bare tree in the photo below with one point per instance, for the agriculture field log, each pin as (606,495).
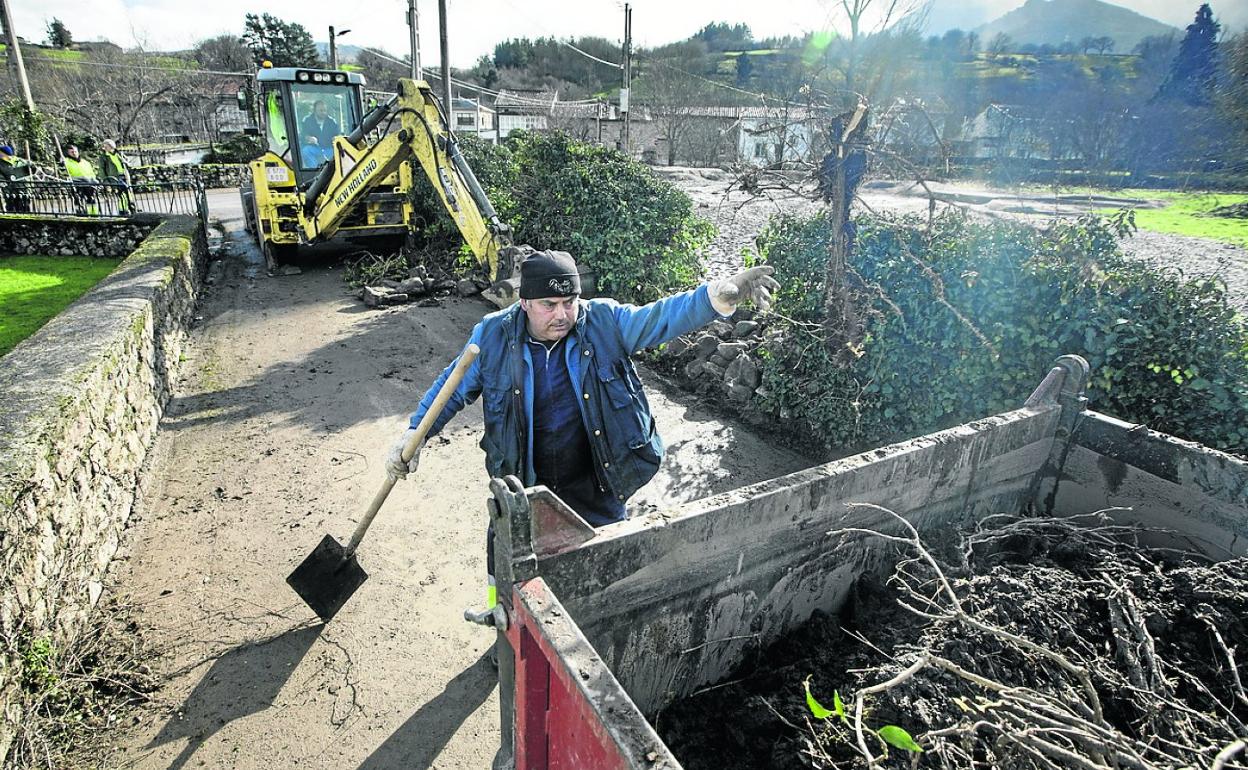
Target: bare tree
(875,27)
(224,53)
(114,94)
(673,91)
(999,44)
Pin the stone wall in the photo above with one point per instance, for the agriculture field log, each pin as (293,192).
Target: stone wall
(82,398)
(209,174)
(88,239)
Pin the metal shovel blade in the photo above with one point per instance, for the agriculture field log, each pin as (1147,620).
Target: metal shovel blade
(327,578)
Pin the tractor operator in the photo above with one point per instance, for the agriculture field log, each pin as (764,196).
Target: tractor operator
(319,128)
(562,402)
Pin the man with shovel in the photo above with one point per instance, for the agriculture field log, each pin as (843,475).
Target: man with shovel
(563,405)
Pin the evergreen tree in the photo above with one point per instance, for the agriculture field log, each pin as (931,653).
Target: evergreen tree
(1195,68)
(58,34)
(721,36)
(286,44)
(744,68)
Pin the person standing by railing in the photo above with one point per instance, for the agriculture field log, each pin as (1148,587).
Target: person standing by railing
(13,173)
(82,174)
(115,172)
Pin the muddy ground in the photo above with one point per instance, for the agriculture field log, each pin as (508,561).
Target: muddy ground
(740,217)
(292,391)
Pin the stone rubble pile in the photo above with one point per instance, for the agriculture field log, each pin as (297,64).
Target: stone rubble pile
(419,286)
(721,360)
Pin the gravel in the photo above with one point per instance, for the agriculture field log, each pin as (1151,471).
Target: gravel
(740,217)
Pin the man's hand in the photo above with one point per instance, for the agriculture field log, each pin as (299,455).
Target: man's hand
(755,284)
(396,469)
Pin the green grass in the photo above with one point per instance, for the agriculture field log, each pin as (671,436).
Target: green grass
(64,54)
(1187,213)
(33,289)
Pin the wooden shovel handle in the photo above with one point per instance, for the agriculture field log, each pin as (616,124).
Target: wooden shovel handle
(435,409)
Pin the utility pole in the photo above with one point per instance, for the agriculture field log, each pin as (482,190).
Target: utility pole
(628,73)
(413,24)
(333,47)
(447,105)
(15,55)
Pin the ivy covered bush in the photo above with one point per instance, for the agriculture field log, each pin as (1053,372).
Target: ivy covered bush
(637,232)
(964,318)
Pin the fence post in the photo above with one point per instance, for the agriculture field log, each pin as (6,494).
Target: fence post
(202,196)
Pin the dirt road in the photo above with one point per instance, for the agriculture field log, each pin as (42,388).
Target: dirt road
(292,391)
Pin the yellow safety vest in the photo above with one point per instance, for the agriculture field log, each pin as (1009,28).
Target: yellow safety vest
(277,126)
(79,169)
(114,165)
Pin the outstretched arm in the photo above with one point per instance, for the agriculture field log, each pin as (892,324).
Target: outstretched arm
(670,317)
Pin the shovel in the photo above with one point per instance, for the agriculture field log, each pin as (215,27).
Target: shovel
(330,575)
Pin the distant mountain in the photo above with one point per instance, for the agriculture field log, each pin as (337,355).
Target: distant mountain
(346,53)
(1061,21)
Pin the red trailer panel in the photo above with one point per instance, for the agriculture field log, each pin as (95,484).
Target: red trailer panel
(570,712)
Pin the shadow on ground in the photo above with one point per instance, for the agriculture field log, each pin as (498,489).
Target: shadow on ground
(422,737)
(241,682)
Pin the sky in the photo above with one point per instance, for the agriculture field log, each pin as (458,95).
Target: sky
(476,25)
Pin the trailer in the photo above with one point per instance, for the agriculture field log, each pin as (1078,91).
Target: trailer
(599,628)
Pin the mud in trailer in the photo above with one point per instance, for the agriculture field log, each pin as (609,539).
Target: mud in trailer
(597,629)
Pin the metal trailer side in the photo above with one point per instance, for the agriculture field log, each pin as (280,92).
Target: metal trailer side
(603,627)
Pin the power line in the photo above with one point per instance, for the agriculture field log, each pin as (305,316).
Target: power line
(561,41)
(591,56)
(761,97)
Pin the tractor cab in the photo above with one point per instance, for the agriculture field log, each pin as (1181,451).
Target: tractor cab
(302,110)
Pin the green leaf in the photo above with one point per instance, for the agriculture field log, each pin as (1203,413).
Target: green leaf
(837,706)
(899,738)
(815,706)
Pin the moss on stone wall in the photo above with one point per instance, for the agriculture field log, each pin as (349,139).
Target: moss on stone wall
(83,397)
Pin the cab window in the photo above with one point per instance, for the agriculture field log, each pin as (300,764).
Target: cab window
(321,112)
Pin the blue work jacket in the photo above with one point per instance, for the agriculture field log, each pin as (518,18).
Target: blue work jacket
(626,445)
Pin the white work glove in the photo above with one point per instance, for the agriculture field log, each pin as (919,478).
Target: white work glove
(755,284)
(396,469)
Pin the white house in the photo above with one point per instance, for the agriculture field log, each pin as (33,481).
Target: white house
(473,117)
(526,111)
(759,136)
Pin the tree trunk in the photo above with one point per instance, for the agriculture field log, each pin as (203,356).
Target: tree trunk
(843,170)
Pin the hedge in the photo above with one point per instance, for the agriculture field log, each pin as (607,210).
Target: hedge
(636,231)
(1165,350)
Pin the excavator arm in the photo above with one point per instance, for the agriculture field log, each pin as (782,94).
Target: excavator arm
(355,170)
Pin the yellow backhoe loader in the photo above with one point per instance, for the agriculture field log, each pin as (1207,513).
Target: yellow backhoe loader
(332,170)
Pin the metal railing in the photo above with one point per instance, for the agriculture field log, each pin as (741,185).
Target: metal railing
(103,200)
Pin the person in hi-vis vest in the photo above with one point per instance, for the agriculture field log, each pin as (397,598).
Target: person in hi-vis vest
(82,174)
